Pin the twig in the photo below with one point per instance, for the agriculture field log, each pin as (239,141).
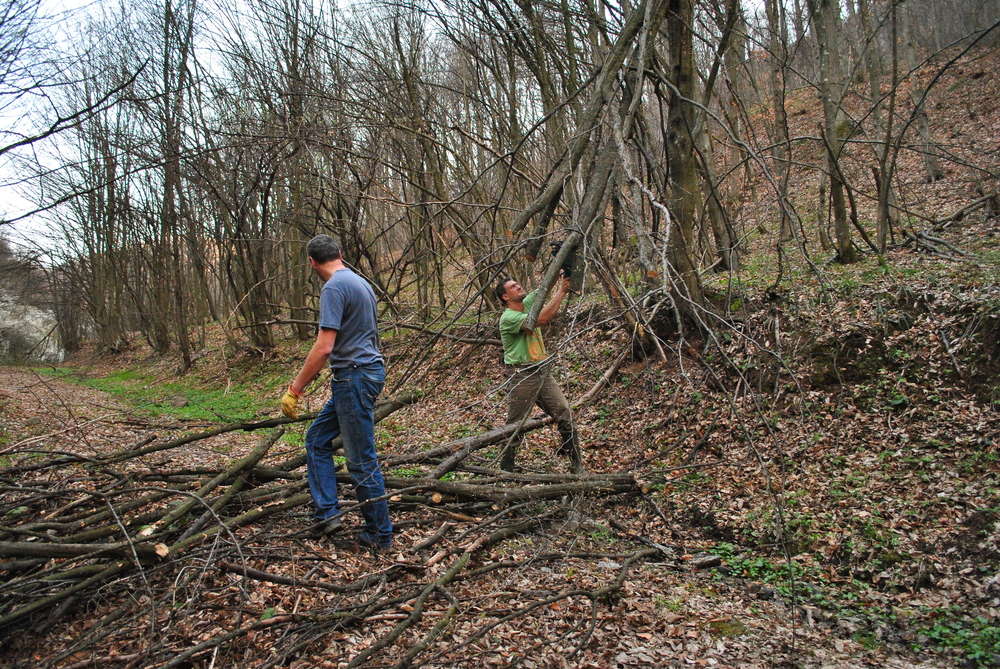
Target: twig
(423,644)
(108,659)
(992,200)
(601,382)
(690,457)
(246,427)
(381,412)
(257,575)
(437,333)
(418,608)
(46,602)
(593,595)
(219,640)
(244,463)
(471,443)
(434,538)
(31,440)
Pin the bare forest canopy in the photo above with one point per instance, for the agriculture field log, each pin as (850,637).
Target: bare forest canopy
(179,154)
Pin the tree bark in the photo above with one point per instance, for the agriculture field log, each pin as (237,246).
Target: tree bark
(932,167)
(780,146)
(681,161)
(836,128)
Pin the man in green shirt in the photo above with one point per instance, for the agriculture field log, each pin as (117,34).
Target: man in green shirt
(530,379)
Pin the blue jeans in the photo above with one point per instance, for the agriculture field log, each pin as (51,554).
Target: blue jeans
(350,413)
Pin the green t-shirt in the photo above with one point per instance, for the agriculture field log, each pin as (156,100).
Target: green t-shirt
(519,347)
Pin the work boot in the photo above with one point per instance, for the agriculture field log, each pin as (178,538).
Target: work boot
(571,448)
(509,452)
(569,441)
(327,527)
(507,458)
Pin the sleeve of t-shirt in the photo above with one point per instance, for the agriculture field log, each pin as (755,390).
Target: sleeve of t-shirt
(331,308)
(512,321)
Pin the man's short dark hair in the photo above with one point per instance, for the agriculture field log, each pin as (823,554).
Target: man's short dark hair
(323,249)
(501,289)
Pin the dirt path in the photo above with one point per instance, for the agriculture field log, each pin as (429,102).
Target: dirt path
(44,412)
(50,414)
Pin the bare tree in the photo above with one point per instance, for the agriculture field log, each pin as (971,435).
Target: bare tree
(932,167)
(836,128)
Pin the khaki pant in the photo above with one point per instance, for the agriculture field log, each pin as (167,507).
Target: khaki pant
(528,387)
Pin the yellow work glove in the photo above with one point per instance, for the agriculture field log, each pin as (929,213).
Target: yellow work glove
(290,403)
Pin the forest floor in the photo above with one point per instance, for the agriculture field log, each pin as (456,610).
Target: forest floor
(827,497)
(818,486)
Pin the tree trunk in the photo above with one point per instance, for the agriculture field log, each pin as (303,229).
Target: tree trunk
(781,147)
(836,128)
(680,151)
(932,167)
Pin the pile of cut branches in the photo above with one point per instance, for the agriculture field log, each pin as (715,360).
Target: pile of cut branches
(175,549)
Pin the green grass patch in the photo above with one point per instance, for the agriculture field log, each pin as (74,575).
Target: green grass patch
(294,438)
(674,604)
(184,399)
(868,640)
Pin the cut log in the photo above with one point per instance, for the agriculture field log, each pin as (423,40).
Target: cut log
(38,549)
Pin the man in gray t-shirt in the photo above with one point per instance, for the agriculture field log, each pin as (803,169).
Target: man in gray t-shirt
(347,305)
(348,341)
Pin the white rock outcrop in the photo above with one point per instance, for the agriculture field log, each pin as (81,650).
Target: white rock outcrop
(27,333)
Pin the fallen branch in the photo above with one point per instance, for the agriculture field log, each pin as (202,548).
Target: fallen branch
(418,608)
(46,602)
(295,582)
(501,495)
(469,444)
(434,538)
(493,538)
(991,202)
(424,643)
(931,244)
(37,549)
(245,463)
(601,382)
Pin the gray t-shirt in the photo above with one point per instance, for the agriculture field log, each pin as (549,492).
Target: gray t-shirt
(347,305)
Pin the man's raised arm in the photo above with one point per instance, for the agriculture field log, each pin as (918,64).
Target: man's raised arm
(551,308)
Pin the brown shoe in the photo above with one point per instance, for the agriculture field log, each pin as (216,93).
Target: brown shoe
(327,528)
(373,549)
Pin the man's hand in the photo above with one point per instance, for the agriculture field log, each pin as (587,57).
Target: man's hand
(551,308)
(290,403)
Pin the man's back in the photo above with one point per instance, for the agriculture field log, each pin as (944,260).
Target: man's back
(347,305)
